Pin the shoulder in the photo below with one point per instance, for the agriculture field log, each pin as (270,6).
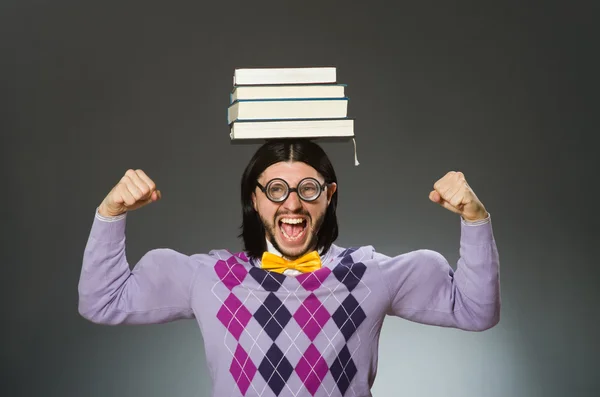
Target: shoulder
(170,257)
(370,252)
(358,253)
(216,255)
(366,252)
(417,254)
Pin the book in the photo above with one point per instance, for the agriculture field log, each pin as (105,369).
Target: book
(287,91)
(272,129)
(261,76)
(297,108)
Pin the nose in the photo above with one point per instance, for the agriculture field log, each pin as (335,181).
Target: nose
(292,202)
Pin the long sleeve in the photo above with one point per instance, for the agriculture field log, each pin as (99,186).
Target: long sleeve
(157,290)
(424,288)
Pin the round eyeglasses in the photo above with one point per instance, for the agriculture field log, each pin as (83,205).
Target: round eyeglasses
(278,190)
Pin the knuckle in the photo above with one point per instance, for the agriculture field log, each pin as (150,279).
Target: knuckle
(121,196)
(144,190)
(142,174)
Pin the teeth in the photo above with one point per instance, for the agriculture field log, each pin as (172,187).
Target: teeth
(292,221)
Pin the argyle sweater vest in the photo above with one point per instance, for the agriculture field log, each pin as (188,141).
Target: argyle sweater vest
(295,334)
(268,334)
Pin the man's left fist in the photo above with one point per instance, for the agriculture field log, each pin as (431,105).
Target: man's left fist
(454,193)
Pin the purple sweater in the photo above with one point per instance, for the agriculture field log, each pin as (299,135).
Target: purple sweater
(267,334)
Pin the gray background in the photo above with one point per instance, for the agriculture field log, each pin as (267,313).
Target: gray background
(504,94)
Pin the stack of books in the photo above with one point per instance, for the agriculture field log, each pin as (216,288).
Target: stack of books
(273,103)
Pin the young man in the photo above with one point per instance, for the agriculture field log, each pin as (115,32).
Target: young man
(292,314)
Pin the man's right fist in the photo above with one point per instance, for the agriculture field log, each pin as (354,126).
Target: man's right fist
(133,191)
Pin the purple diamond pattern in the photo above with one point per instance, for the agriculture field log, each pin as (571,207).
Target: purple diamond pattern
(311,316)
(273,316)
(276,369)
(349,316)
(270,281)
(231,274)
(313,280)
(343,369)
(234,315)
(349,273)
(242,369)
(346,252)
(311,369)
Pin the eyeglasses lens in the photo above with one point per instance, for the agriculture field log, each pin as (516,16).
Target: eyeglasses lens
(309,190)
(277,190)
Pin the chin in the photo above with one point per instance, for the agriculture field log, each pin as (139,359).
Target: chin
(292,251)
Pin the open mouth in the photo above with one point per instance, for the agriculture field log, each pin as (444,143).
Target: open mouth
(293,229)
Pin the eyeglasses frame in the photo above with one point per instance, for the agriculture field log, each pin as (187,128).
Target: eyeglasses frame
(292,189)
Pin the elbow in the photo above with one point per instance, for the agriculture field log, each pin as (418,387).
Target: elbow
(87,305)
(98,313)
(483,313)
(486,319)
(89,313)
(97,306)
(84,306)
(85,313)
(487,324)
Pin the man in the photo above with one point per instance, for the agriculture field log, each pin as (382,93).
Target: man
(292,314)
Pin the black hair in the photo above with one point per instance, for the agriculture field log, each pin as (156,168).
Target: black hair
(275,151)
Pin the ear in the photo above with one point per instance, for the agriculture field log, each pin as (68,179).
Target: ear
(254,202)
(331,188)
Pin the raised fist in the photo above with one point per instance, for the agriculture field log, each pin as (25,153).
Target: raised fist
(454,193)
(134,190)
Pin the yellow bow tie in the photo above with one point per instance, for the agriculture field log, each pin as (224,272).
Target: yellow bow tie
(306,263)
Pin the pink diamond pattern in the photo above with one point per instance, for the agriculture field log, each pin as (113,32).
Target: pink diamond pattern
(230,273)
(311,316)
(242,256)
(311,369)
(242,369)
(313,280)
(234,315)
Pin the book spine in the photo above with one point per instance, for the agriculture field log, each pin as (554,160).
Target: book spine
(290,99)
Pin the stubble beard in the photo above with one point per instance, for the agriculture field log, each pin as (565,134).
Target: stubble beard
(271,231)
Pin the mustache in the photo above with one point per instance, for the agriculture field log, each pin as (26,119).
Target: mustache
(284,213)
